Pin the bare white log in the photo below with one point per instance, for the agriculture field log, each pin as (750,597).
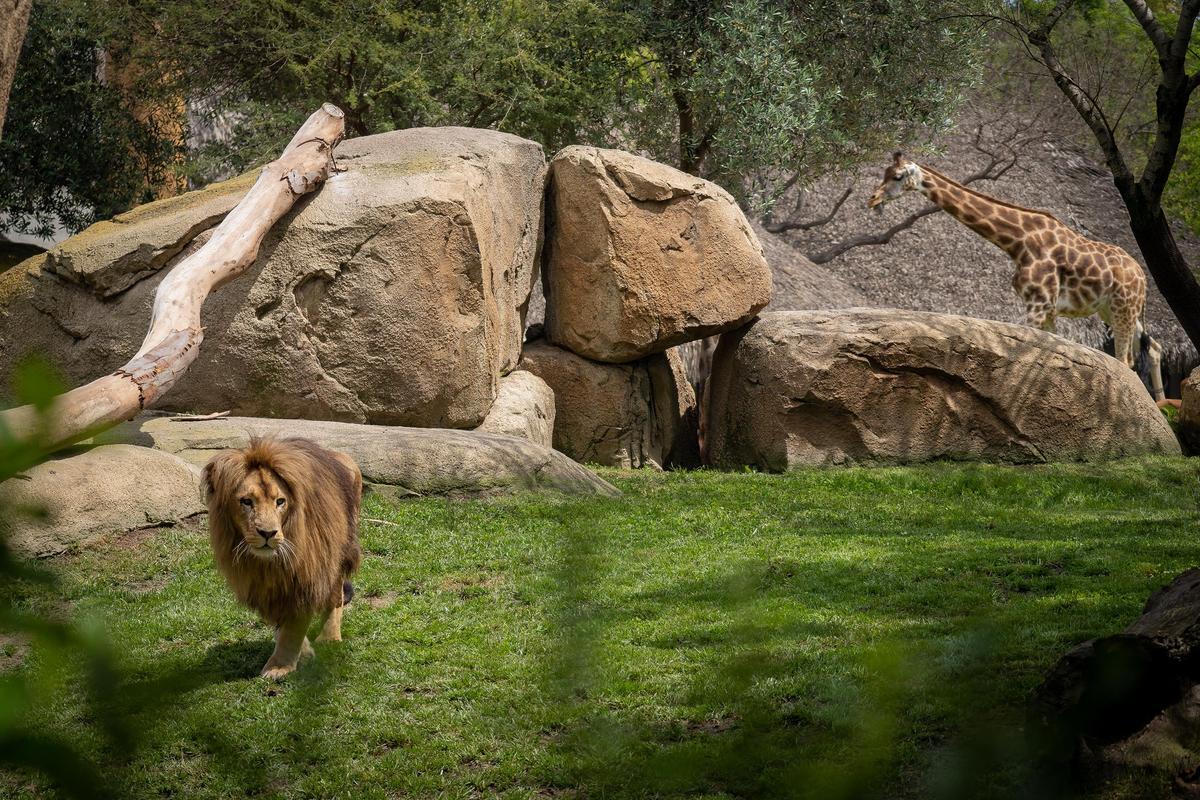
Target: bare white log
(175,333)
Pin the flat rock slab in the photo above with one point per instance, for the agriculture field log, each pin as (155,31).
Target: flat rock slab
(98,492)
(883,386)
(416,461)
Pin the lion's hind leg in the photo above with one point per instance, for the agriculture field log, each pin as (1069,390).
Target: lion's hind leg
(331,628)
(331,624)
(291,644)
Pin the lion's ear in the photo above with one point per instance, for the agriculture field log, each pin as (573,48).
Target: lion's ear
(218,474)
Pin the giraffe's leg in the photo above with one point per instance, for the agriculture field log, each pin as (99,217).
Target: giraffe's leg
(1040,314)
(1040,304)
(1154,353)
(1123,335)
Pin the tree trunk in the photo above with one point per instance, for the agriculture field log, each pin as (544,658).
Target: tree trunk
(1167,265)
(175,333)
(14,20)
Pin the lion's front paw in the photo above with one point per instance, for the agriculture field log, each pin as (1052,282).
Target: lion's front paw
(277,672)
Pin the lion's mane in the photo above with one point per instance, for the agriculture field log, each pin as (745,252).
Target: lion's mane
(322,522)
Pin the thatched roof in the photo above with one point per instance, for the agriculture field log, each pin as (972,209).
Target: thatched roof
(940,265)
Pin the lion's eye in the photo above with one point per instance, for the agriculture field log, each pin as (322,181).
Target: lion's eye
(279,501)
(246,501)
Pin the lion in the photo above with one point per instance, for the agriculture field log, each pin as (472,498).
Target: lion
(283,523)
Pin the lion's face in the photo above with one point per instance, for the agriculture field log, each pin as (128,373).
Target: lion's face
(262,513)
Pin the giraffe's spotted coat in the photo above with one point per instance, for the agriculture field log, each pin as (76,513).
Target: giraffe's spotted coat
(1059,271)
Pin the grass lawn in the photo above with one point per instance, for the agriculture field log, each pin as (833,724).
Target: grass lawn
(834,634)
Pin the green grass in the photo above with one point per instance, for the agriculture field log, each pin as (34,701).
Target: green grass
(845,633)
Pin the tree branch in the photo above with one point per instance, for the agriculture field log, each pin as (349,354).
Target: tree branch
(795,225)
(1158,37)
(1052,18)
(868,239)
(996,168)
(1183,36)
(1087,107)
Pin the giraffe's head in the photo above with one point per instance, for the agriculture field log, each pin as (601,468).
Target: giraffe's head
(901,175)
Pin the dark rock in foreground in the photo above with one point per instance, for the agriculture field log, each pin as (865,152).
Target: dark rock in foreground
(1131,701)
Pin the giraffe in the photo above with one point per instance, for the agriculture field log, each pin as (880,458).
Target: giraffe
(1059,272)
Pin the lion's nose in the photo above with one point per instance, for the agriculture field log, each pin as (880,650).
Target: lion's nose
(266,534)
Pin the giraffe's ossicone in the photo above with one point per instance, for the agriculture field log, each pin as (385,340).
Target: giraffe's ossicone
(1059,271)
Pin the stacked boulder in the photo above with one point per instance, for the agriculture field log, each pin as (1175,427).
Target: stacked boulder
(397,295)
(639,258)
(1189,412)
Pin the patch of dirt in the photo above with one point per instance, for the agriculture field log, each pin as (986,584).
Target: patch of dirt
(389,744)
(379,599)
(710,727)
(135,540)
(13,652)
(470,585)
(148,586)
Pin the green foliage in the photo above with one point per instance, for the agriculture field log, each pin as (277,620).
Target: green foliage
(763,90)
(548,70)
(71,150)
(832,634)
(752,93)
(1182,196)
(54,641)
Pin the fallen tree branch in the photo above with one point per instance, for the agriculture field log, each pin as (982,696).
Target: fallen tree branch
(200,417)
(174,336)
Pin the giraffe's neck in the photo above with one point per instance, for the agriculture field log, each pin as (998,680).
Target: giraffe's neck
(999,223)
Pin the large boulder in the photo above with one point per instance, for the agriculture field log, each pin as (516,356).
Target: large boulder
(395,295)
(77,498)
(641,257)
(405,461)
(619,415)
(1189,412)
(524,407)
(882,386)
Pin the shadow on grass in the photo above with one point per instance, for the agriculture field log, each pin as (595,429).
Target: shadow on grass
(764,714)
(232,661)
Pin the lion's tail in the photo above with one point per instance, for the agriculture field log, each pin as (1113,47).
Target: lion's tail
(347,592)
